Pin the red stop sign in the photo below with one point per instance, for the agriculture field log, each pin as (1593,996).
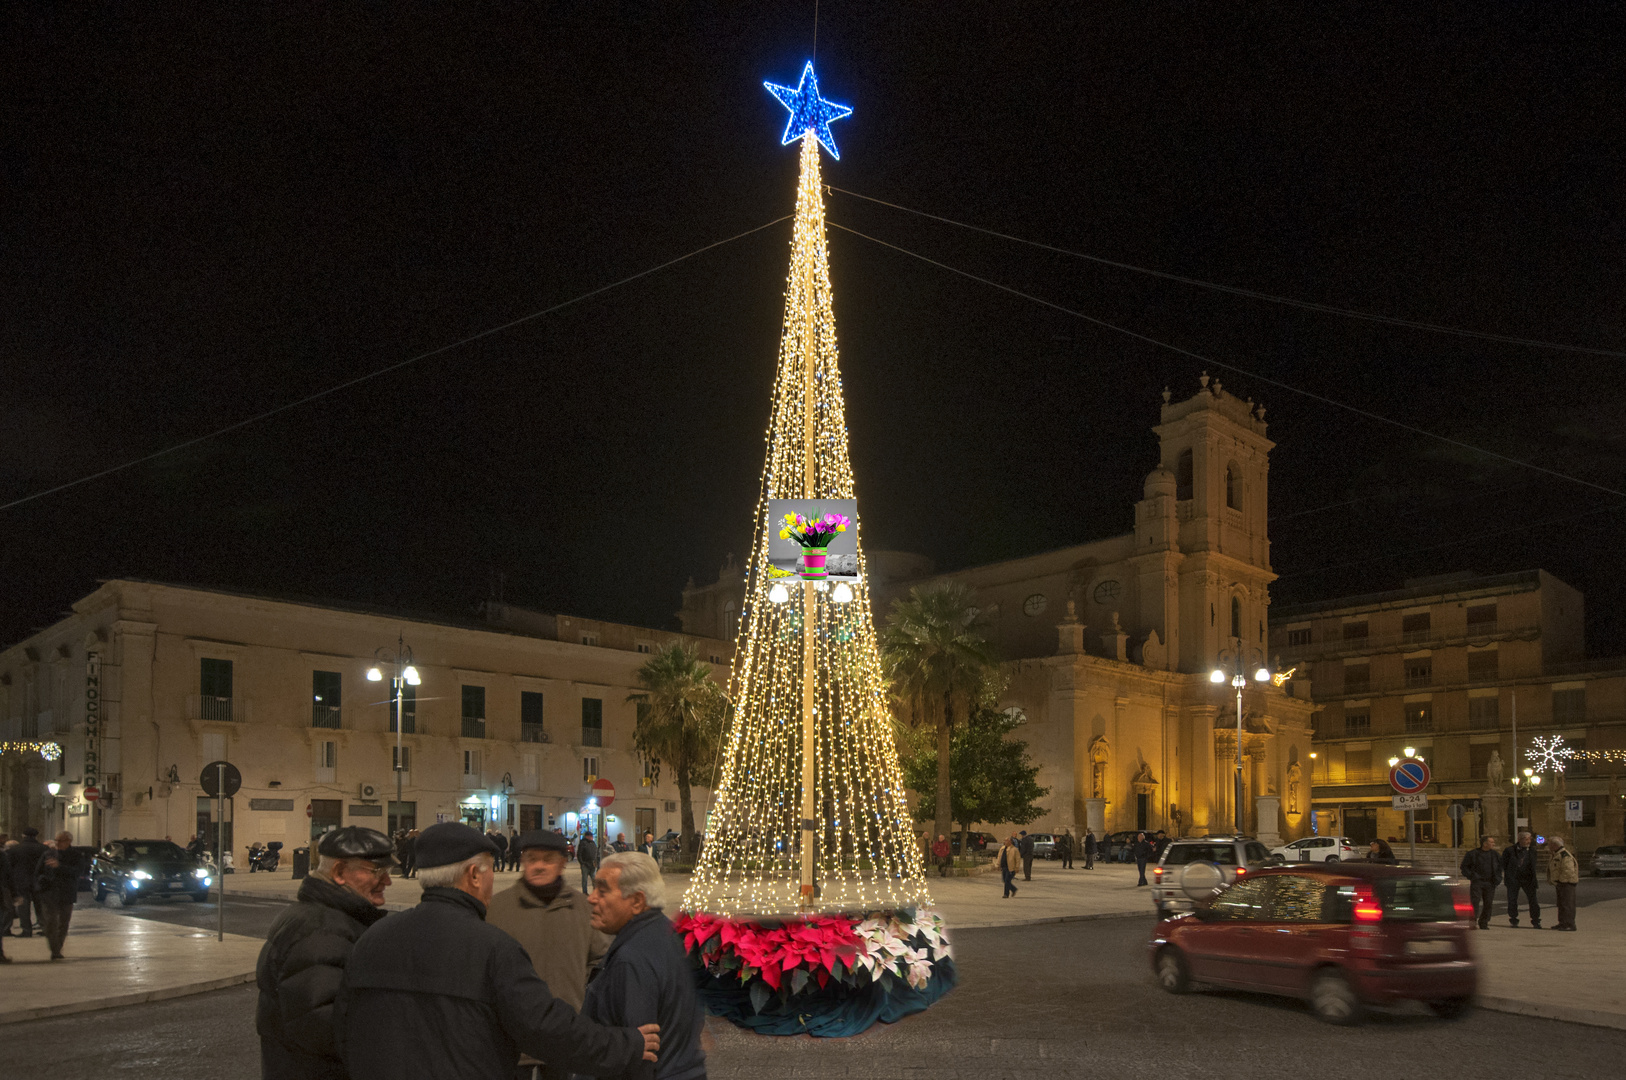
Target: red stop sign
(92,793)
(603,791)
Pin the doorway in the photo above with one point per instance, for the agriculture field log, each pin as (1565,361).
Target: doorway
(645,816)
(206,825)
(1361,825)
(326,815)
(1140,810)
(530,817)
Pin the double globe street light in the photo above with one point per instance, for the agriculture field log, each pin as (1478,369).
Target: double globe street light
(403,675)
(1232,665)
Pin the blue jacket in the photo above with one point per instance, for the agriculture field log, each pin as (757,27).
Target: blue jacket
(647,979)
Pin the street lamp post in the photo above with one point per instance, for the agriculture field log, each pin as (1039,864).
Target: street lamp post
(1232,665)
(403,674)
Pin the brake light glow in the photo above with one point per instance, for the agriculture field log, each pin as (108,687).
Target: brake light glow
(1241,871)
(1367,908)
(1158,872)
(1464,906)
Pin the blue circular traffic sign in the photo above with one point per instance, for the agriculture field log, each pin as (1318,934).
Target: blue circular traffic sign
(1409,776)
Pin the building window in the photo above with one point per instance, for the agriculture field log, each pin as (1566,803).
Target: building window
(528,775)
(474,712)
(327,761)
(1414,627)
(1569,705)
(731,619)
(1358,724)
(589,639)
(530,717)
(589,769)
(592,721)
(1482,665)
(1183,476)
(471,768)
(1481,618)
(1575,766)
(401,758)
(409,709)
(1484,713)
(1233,488)
(716,659)
(1236,617)
(1419,671)
(325,690)
(1296,638)
(1355,631)
(1419,718)
(214,688)
(1357,678)
(643,646)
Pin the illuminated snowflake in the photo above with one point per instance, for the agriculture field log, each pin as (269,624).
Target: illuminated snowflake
(1549,753)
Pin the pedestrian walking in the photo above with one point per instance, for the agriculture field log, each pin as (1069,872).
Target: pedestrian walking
(1159,845)
(1009,862)
(1379,851)
(56,886)
(302,962)
(1026,844)
(1105,850)
(1483,868)
(1089,850)
(500,842)
(1565,873)
(587,858)
(25,861)
(436,993)
(647,977)
(943,853)
(1519,875)
(1142,851)
(513,849)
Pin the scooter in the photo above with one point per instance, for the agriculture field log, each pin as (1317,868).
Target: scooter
(265,858)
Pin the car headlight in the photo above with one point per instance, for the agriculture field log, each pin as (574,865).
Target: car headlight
(207,882)
(140,875)
(200,872)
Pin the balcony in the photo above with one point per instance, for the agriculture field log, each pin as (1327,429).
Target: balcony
(532,733)
(1433,638)
(325,716)
(213,708)
(474,727)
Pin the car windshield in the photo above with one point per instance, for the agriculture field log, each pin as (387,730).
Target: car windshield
(152,849)
(1613,850)
(1180,854)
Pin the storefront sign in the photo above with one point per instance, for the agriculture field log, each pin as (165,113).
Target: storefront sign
(93,718)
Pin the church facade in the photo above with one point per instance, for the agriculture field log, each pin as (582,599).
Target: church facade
(1108,646)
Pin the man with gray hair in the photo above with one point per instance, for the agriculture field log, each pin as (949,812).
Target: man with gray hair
(1519,875)
(646,978)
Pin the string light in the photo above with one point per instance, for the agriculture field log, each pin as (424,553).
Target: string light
(1549,754)
(865,855)
(809,115)
(50,751)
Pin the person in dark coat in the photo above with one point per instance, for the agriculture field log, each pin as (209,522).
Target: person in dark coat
(647,977)
(587,856)
(500,842)
(1089,850)
(1025,845)
(513,849)
(1483,868)
(436,993)
(6,911)
(1381,852)
(25,860)
(1064,849)
(302,963)
(56,886)
(1519,874)
(407,847)
(1142,851)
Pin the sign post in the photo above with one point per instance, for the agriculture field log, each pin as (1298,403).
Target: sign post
(603,794)
(1409,777)
(222,780)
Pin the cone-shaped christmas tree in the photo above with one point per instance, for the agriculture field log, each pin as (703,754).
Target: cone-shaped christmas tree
(810,812)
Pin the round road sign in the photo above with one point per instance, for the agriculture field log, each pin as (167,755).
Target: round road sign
(92,793)
(603,791)
(1409,776)
(214,772)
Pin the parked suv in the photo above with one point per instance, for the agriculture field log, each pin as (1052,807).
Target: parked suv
(1318,849)
(1609,860)
(1191,868)
(1342,936)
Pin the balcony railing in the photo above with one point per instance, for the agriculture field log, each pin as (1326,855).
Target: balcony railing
(1434,637)
(213,707)
(474,727)
(532,733)
(325,716)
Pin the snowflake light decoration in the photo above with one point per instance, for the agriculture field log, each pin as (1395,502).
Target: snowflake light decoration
(1549,753)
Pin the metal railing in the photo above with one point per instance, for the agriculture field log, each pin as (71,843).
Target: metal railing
(474,727)
(1434,637)
(325,716)
(532,733)
(214,707)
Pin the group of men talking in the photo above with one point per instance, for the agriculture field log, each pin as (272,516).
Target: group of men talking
(538,982)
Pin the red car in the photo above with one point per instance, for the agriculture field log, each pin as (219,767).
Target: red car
(1341,936)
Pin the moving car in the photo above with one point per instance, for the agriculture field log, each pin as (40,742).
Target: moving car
(1343,937)
(1610,859)
(134,869)
(1318,849)
(1194,866)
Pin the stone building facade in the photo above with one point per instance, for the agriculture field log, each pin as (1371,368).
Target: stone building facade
(144,684)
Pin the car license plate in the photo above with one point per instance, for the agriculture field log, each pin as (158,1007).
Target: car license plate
(1430,948)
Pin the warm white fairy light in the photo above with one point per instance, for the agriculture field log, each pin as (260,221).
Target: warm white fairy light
(866,855)
(1549,753)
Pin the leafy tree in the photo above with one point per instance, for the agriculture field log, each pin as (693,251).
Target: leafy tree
(991,777)
(938,664)
(680,720)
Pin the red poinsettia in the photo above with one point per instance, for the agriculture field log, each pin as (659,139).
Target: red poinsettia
(823,946)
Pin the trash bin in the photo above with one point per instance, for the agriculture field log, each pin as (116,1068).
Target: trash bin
(302,862)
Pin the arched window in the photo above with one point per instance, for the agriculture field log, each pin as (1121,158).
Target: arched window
(1233,487)
(1182,475)
(1236,617)
(731,619)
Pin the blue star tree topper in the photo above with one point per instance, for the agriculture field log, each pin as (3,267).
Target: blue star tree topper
(809,113)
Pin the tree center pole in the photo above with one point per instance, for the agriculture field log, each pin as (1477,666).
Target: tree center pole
(810,349)
(400,722)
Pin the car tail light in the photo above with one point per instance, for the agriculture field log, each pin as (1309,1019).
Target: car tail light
(1157,873)
(1464,906)
(1367,909)
(1242,871)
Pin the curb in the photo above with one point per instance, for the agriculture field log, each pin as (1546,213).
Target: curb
(1589,1017)
(138,998)
(1052,919)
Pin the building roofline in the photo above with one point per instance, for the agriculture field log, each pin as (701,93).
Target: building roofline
(1434,589)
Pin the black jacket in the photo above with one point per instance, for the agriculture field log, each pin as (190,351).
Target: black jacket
(1482,866)
(647,979)
(587,853)
(25,861)
(436,994)
(59,882)
(301,967)
(1519,865)
(1089,844)
(1025,846)
(1143,851)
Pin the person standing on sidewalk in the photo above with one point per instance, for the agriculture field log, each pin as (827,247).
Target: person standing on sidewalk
(25,861)
(1026,845)
(1009,862)
(1089,850)
(56,886)
(1565,873)
(1142,851)
(1483,869)
(302,962)
(1064,848)
(943,853)
(1519,873)
(587,859)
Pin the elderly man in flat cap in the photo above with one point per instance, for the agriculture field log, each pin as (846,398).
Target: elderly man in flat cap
(553,922)
(302,962)
(437,993)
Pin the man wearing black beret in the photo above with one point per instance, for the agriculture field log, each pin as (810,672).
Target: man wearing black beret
(436,993)
(303,960)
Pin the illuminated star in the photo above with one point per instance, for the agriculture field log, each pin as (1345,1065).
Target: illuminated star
(809,113)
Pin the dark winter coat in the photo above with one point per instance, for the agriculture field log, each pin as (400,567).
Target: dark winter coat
(587,853)
(1025,845)
(25,861)
(647,979)
(437,994)
(60,882)
(299,973)
(1089,844)
(1519,865)
(1482,866)
(1143,851)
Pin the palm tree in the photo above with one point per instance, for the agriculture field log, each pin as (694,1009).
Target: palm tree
(680,719)
(938,663)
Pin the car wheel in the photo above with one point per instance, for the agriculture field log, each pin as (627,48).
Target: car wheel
(101,893)
(1172,973)
(1451,1008)
(1331,858)
(1333,999)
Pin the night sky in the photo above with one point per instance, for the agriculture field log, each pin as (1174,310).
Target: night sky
(208,216)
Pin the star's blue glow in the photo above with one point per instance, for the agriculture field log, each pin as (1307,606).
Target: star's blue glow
(809,113)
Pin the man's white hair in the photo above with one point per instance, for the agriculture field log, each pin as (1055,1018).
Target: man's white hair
(639,874)
(447,877)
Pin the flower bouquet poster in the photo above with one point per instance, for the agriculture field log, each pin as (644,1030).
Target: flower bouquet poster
(813,538)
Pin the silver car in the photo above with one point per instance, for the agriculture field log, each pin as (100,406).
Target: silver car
(1609,860)
(1194,867)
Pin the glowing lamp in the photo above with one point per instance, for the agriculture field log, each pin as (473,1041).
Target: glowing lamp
(1216,676)
(53,787)
(374,675)
(778,594)
(1262,675)
(842,593)
(1393,762)
(1411,751)
(411,676)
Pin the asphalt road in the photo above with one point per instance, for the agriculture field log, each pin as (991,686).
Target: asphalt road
(1057,1000)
